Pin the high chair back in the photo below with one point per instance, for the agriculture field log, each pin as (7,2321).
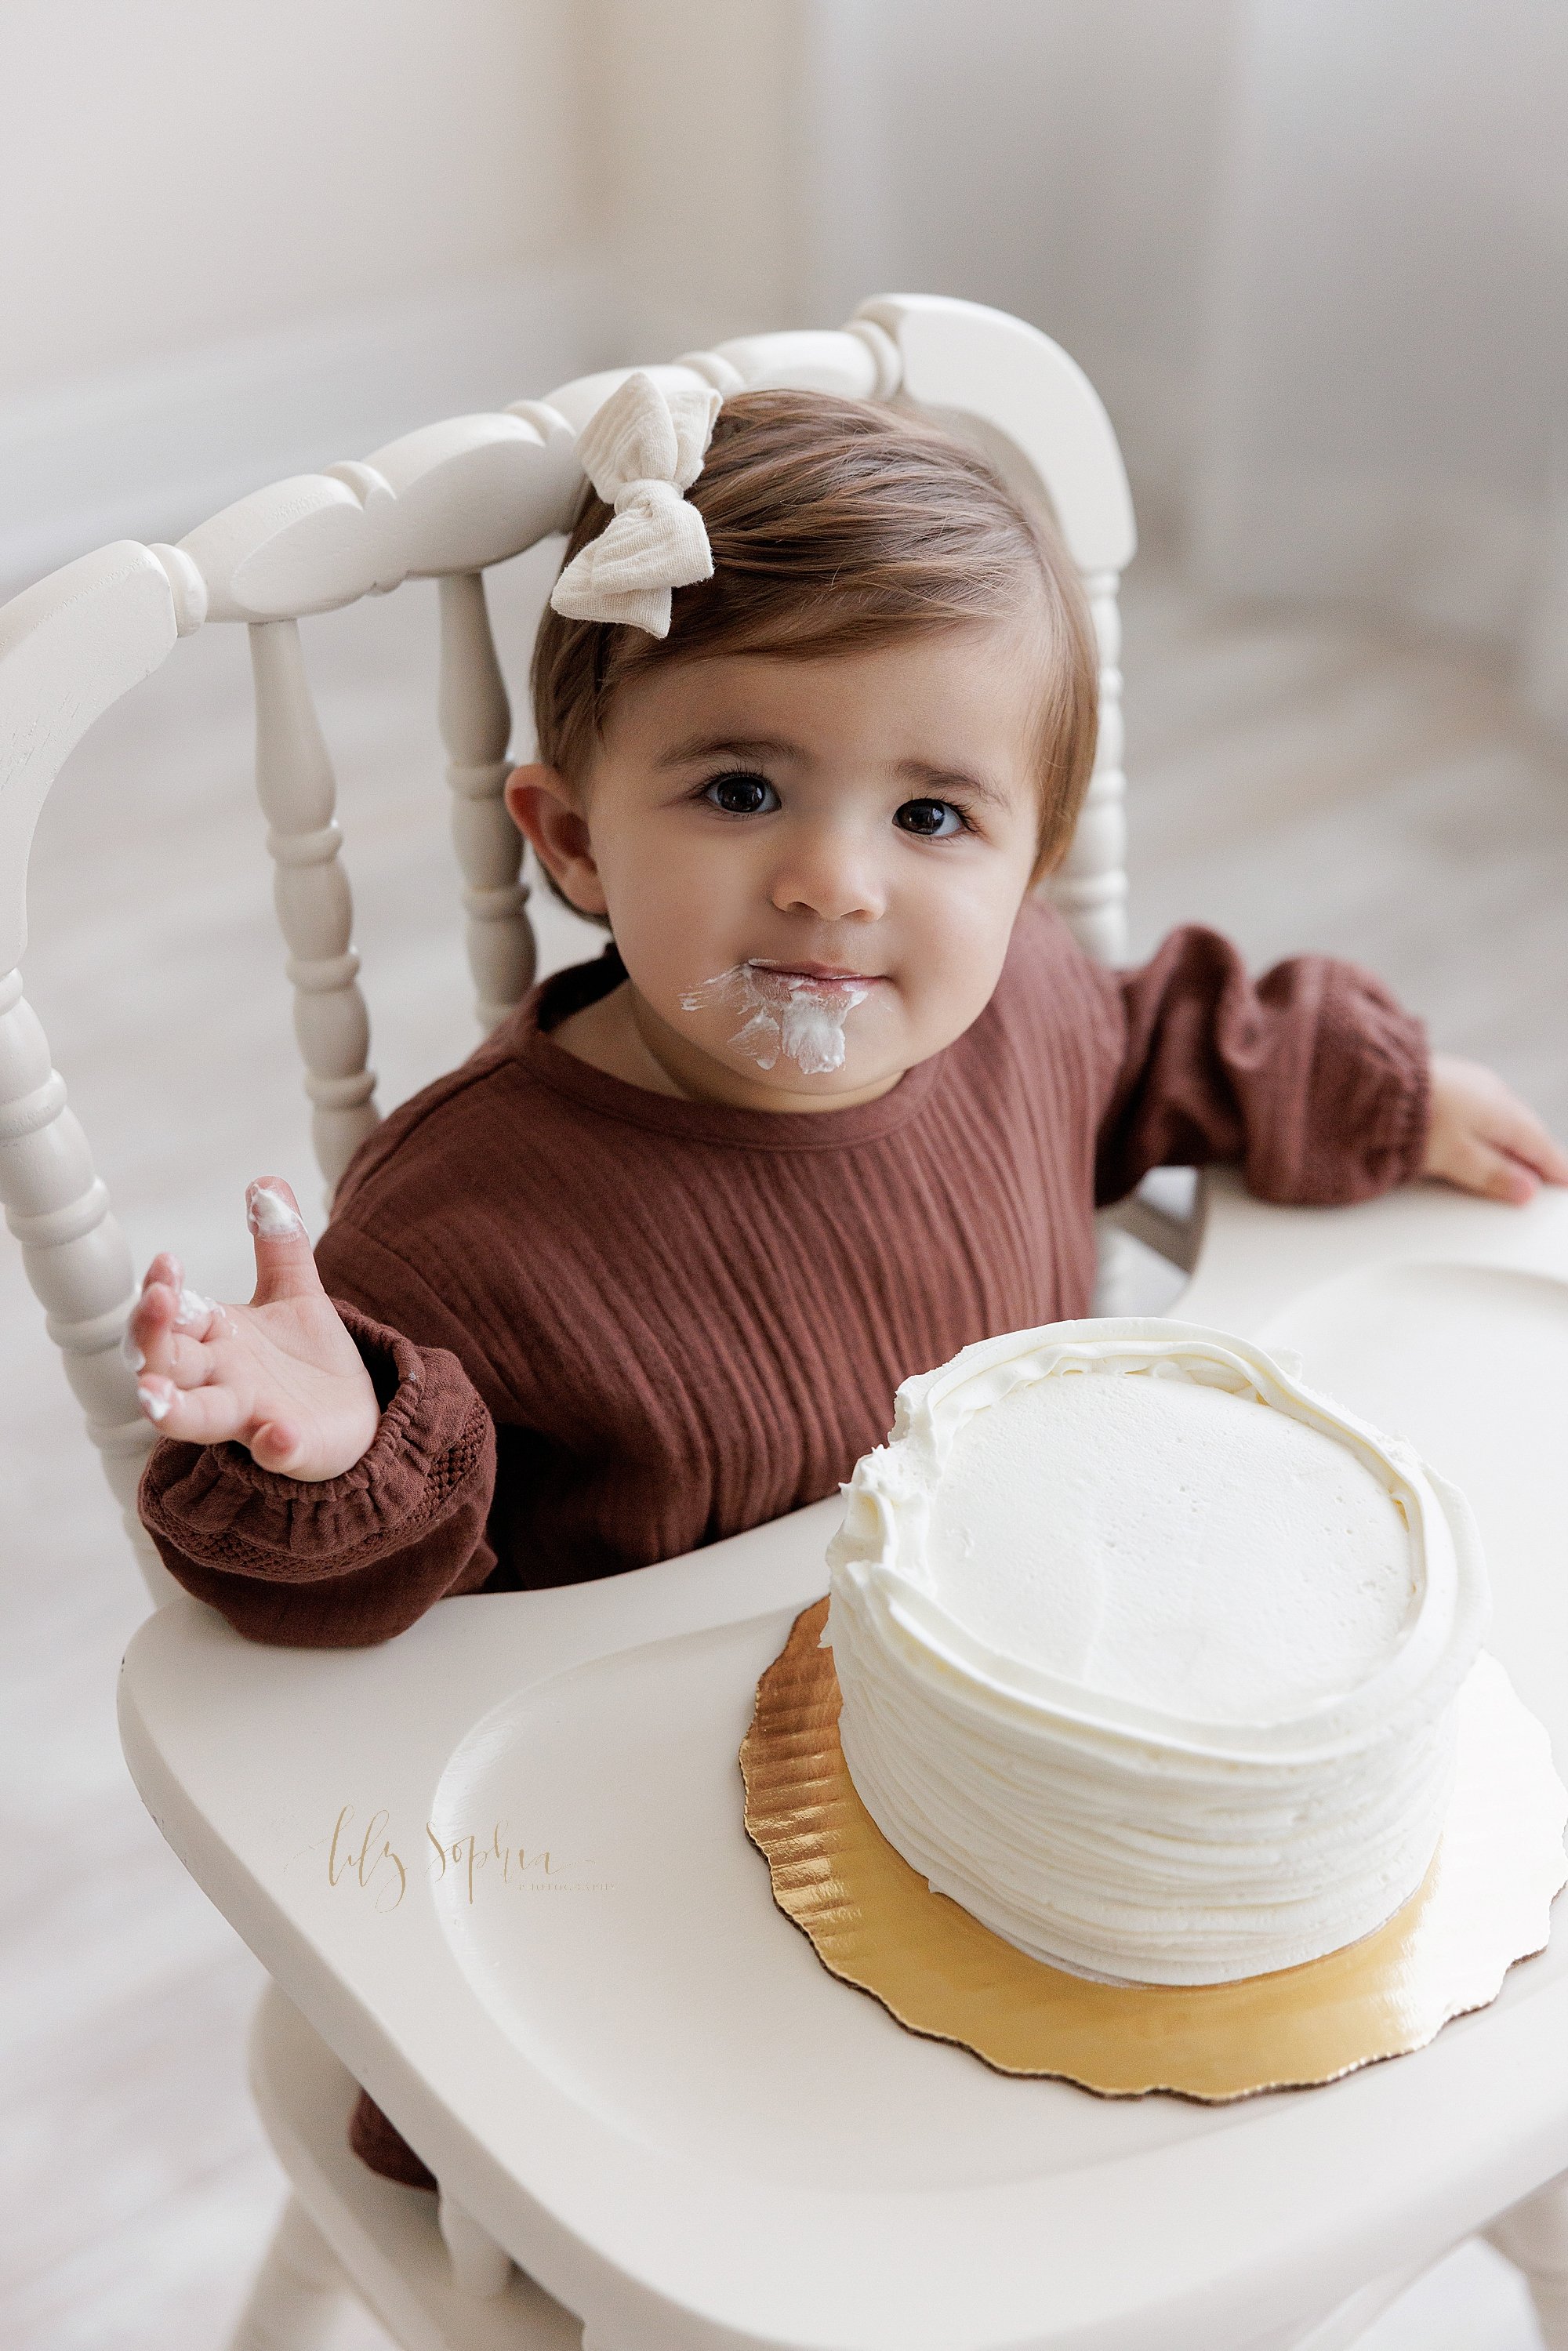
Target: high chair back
(445,503)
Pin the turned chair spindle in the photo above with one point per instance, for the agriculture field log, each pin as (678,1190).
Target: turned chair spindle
(76,1256)
(1090,884)
(298,791)
(475,726)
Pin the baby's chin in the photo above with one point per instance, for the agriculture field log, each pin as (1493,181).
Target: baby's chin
(858,1075)
(760,1075)
(786,1088)
(803,1025)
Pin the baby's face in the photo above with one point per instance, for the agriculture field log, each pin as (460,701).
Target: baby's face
(811,868)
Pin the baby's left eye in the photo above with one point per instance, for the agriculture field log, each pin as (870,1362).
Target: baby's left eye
(742,794)
(931,819)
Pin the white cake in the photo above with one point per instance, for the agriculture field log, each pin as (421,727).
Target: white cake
(1148,1654)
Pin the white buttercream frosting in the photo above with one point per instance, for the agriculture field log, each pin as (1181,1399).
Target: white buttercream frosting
(783,1012)
(1149,1655)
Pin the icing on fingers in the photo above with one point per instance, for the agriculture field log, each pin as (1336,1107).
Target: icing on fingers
(784,1013)
(270,1216)
(202,1318)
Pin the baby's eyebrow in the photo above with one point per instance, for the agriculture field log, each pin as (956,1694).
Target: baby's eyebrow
(934,780)
(728,747)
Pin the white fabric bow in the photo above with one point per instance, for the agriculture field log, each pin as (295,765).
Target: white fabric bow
(641,451)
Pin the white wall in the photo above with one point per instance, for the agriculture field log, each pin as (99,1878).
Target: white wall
(1311,255)
(1311,252)
(1390,356)
(770,164)
(247,240)
(176,171)
(693,115)
(242,239)
(1058,158)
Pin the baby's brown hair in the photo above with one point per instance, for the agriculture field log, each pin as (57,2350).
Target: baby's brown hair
(836,525)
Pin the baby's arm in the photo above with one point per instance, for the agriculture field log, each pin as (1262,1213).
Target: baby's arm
(280,1376)
(1311,1077)
(1481,1137)
(385,1450)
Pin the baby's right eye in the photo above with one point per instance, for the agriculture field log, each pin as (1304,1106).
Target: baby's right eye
(742,795)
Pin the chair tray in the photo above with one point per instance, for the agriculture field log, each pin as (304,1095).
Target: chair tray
(500,1865)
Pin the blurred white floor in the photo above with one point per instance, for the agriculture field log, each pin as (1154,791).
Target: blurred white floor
(1471,2302)
(1297,783)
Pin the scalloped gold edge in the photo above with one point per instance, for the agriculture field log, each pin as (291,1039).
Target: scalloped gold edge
(874,1923)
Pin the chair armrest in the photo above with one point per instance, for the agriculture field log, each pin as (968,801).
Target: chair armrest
(1167,1213)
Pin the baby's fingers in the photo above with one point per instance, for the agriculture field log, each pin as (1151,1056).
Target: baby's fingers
(284,1265)
(149,1340)
(166,1270)
(1478,1166)
(192,1416)
(153,1312)
(167,1326)
(1519,1133)
(276,1444)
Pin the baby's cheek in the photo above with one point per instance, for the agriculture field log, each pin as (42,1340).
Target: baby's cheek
(945,995)
(673,936)
(969,947)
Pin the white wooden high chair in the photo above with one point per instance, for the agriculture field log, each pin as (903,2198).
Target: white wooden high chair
(644,2090)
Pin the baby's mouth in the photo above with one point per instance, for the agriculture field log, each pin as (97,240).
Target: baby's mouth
(822,975)
(798,1010)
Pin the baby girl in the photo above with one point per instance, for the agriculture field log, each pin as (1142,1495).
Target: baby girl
(840,1096)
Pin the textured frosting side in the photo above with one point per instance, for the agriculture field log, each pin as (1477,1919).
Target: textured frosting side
(1075,1794)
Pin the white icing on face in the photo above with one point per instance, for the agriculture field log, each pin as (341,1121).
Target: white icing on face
(786,1012)
(268,1214)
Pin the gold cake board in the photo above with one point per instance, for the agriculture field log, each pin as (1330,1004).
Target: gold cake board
(875,1921)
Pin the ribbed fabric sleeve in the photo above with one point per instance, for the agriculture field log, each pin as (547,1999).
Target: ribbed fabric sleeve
(1312,1079)
(401,1528)
(610,1326)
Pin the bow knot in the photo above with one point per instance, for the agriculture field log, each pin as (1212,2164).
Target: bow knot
(642,450)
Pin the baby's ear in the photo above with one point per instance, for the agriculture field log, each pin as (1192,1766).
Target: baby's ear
(524,782)
(544,808)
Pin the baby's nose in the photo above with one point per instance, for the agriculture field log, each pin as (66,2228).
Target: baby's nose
(830,874)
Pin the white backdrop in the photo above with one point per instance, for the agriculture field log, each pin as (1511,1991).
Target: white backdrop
(236,242)
(1387,386)
(1313,251)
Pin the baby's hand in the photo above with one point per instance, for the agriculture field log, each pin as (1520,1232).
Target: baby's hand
(281,1375)
(1483,1137)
